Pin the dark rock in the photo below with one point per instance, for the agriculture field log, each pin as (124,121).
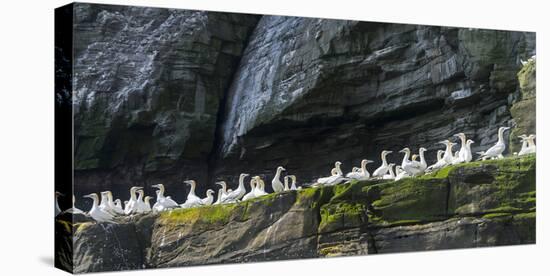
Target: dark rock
(312,91)
(148,85)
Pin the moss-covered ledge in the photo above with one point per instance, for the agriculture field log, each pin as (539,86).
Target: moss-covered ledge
(467,205)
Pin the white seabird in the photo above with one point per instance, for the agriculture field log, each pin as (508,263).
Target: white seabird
(383,169)
(422,164)
(448,155)
(131,206)
(140,202)
(260,187)
(147,201)
(192,199)
(163,202)
(104,203)
(96,213)
(400,173)
(528,144)
(390,174)
(496,150)
(251,194)
(412,168)
(293,185)
(209,197)
(225,192)
(239,192)
(362,173)
(56,207)
(118,206)
(276,183)
(112,205)
(333,179)
(219,198)
(464,154)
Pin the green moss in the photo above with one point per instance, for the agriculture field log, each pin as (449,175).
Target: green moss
(341,215)
(409,199)
(531,215)
(442,173)
(496,215)
(215,214)
(503,185)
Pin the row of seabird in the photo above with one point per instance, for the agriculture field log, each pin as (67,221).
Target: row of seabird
(105,209)
(411,167)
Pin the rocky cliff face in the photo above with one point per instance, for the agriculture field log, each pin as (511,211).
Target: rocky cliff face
(309,92)
(165,95)
(479,204)
(148,86)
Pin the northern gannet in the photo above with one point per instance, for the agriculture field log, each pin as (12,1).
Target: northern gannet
(260,187)
(531,143)
(456,158)
(390,174)
(147,201)
(287,188)
(131,206)
(468,155)
(400,173)
(96,213)
(251,194)
(163,202)
(276,183)
(412,168)
(333,179)
(104,203)
(465,154)
(192,199)
(383,169)
(56,208)
(239,192)
(528,144)
(496,150)
(422,164)
(140,202)
(523,138)
(440,162)
(209,197)
(118,206)
(362,173)
(224,189)
(219,199)
(293,185)
(448,155)
(112,205)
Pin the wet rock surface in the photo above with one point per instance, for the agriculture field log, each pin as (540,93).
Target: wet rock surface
(148,84)
(429,213)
